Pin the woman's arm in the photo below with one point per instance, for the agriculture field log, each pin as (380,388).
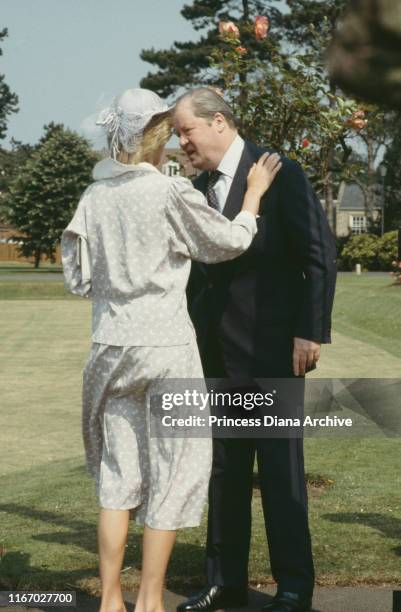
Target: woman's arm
(203,234)
(75,255)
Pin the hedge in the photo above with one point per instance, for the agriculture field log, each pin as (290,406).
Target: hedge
(372,252)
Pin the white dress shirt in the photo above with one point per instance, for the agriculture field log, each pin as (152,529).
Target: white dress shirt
(228,167)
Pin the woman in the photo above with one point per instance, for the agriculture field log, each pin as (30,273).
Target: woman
(129,247)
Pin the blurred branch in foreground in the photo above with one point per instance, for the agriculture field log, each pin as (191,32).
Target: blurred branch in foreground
(365,55)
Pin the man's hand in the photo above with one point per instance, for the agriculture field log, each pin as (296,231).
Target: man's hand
(305,354)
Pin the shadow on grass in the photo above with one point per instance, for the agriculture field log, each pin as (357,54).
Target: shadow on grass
(185,573)
(185,568)
(17,573)
(15,564)
(65,539)
(78,529)
(388,526)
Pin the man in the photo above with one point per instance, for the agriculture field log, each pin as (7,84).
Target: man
(262,315)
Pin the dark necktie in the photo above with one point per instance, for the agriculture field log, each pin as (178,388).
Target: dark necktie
(210,193)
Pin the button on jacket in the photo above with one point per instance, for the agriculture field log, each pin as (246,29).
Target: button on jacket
(129,247)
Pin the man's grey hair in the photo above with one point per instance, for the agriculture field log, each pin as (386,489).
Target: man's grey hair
(205,103)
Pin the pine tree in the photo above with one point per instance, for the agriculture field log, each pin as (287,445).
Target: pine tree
(45,191)
(187,64)
(8,99)
(303,13)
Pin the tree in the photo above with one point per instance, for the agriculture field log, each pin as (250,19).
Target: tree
(10,162)
(8,99)
(290,106)
(378,130)
(392,161)
(8,105)
(45,191)
(378,134)
(365,54)
(187,64)
(280,88)
(303,13)
(51,129)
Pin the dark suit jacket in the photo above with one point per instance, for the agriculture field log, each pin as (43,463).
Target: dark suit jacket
(247,311)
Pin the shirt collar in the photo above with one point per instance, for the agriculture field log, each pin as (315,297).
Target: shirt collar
(232,156)
(111,168)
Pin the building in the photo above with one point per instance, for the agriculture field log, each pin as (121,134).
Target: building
(352,215)
(8,234)
(176,163)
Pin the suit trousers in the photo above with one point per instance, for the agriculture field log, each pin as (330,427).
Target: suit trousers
(283,492)
(284,500)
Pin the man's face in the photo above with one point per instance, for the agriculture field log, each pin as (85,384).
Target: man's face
(200,139)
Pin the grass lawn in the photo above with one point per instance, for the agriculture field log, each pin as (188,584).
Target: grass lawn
(35,289)
(368,307)
(35,286)
(48,524)
(48,509)
(12,267)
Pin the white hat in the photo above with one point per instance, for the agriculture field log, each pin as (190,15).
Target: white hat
(127,116)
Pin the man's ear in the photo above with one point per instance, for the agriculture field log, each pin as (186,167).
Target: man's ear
(220,121)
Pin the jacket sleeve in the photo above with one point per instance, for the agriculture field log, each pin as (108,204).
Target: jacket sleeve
(75,255)
(200,232)
(313,248)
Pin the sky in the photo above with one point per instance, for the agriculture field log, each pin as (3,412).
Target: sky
(65,59)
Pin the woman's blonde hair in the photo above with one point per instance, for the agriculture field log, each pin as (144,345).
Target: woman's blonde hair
(156,134)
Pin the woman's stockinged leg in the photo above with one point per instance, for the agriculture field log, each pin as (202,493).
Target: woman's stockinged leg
(112,538)
(157,547)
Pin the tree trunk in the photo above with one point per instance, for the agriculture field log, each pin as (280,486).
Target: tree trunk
(329,203)
(37,259)
(329,191)
(243,77)
(329,182)
(371,176)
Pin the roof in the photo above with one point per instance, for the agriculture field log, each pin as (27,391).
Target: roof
(351,197)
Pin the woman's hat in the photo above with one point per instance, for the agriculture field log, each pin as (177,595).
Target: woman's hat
(127,116)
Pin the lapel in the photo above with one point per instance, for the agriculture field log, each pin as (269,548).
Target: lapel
(238,187)
(235,198)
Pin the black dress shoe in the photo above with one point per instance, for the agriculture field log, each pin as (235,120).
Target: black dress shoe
(216,597)
(289,602)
